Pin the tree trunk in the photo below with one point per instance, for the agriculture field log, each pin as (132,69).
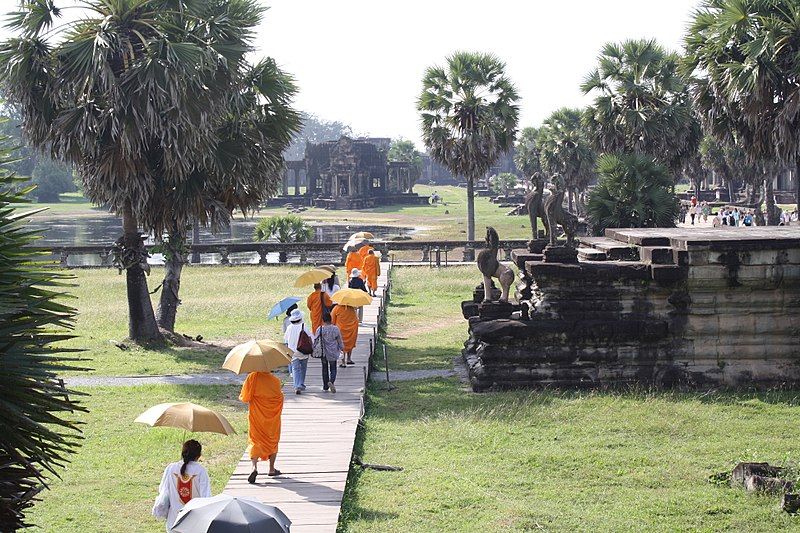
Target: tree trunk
(142,327)
(769,200)
(569,200)
(469,256)
(171,286)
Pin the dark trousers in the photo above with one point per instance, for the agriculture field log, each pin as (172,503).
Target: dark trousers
(328,372)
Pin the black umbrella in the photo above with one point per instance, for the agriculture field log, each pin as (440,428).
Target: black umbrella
(228,514)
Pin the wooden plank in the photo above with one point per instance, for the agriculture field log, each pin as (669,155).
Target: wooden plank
(317,438)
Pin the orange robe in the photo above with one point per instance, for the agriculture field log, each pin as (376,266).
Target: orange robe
(346,318)
(363,253)
(262,391)
(372,269)
(353,261)
(314,303)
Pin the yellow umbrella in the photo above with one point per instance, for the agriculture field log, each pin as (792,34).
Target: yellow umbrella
(188,416)
(351,297)
(311,277)
(257,356)
(361,235)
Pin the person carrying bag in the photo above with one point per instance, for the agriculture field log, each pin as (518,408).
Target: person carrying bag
(328,344)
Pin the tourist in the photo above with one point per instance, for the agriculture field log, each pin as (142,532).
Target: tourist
(717,220)
(682,213)
(747,220)
(372,269)
(346,318)
(731,219)
(705,211)
(295,336)
(328,340)
(331,284)
(262,392)
(692,212)
(362,253)
(288,317)
(318,303)
(785,218)
(736,216)
(182,481)
(794,217)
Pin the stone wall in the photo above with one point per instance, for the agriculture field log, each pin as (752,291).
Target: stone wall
(722,311)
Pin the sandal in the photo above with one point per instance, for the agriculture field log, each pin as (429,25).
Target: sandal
(275,473)
(252,477)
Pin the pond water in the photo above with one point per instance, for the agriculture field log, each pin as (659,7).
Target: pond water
(102,230)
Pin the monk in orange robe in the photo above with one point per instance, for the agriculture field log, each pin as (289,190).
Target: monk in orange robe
(372,269)
(262,391)
(353,261)
(346,318)
(315,302)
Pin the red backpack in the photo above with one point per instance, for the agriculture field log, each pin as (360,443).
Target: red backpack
(304,344)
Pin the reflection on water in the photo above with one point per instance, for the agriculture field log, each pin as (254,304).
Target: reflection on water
(104,230)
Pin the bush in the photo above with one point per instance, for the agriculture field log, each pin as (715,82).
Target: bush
(288,228)
(633,191)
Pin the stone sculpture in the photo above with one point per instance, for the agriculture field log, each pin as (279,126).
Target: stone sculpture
(552,203)
(490,267)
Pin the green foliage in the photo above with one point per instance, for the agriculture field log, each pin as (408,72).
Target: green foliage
(469,113)
(286,228)
(154,104)
(527,153)
(633,191)
(641,104)
(51,179)
(565,148)
(744,56)
(35,435)
(502,183)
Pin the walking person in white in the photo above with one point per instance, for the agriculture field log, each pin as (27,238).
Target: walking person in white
(299,359)
(181,482)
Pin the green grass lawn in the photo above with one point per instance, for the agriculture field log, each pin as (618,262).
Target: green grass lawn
(225,305)
(112,481)
(602,461)
(424,322)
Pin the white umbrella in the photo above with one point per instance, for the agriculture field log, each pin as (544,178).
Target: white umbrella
(230,514)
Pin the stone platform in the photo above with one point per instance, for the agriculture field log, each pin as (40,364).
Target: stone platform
(687,306)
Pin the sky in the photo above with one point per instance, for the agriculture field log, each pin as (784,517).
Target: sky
(362,62)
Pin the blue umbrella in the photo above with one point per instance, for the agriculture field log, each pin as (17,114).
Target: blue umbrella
(281,307)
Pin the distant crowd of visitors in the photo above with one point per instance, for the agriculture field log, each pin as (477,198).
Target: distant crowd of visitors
(729,216)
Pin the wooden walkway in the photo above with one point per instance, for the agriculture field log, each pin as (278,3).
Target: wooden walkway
(317,436)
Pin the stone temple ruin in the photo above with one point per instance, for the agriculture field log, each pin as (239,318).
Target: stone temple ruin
(694,307)
(348,174)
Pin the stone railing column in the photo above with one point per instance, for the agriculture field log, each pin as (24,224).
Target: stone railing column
(64,258)
(223,252)
(105,257)
(303,256)
(262,256)
(426,253)
(469,253)
(507,253)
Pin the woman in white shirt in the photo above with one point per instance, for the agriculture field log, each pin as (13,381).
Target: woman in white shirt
(331,284)
(299,363)
(181,482)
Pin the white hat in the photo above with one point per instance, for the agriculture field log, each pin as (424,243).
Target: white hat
(355,273)
(296,316)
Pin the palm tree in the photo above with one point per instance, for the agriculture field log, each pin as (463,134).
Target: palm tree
(641,104)
(503,183)
(743,56)
(36,437)
(527,153)
(633,191)
(469,117)
(135,95)
(247,169)
(285,229)
(566,150)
